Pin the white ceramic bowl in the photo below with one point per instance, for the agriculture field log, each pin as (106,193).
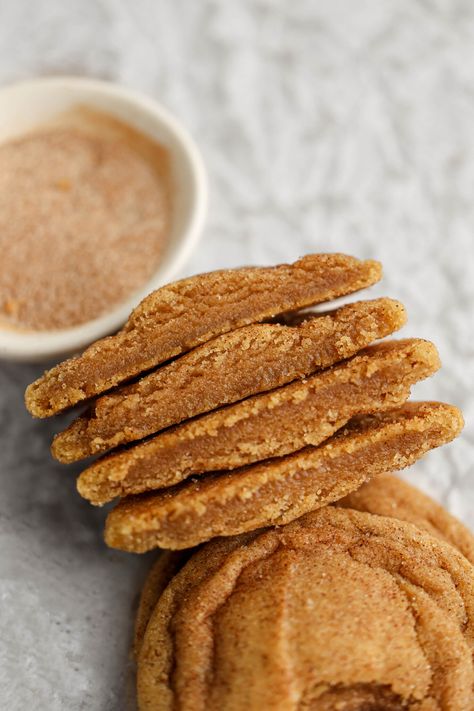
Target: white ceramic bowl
(26,105)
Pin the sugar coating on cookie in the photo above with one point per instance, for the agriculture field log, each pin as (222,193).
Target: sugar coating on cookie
(338,610)
(278,491)
(162,571)
(229,368)
(267,425)
(181,315)
(388,495)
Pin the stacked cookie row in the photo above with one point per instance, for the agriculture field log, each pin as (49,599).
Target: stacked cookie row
(229,407)
(226,409)
(361,606)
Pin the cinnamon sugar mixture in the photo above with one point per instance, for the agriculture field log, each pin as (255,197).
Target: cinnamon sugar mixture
(84,218)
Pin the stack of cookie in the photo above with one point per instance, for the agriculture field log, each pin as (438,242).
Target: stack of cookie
(225,410)
(244,408)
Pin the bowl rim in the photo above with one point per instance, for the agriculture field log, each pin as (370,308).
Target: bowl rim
(30,346)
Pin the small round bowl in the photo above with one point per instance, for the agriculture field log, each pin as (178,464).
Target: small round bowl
(27,105)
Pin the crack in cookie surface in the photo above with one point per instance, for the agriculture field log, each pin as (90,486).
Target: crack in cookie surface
(339,606)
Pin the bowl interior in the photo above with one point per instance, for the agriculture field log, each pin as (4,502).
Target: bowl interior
(24,107)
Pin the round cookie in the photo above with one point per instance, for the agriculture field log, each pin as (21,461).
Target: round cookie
(279,490)
(340,609)
(388,495)
(162,571)
(268,425)
(249,360)
(181,315)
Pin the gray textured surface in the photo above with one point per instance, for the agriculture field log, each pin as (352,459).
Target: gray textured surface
(325,126)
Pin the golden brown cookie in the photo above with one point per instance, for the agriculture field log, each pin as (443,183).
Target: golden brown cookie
(162,571)
(179,316)
(231,367)
(388,495)
(339,610)
(279,490)
(268,425)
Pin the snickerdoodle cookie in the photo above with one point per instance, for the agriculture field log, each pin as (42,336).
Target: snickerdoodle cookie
(162,571)
(340,609)
(268,425)
(179,316)
(228,368)
(388,495)
(279,490)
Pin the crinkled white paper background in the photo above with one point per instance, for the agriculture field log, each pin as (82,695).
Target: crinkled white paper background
(330,125)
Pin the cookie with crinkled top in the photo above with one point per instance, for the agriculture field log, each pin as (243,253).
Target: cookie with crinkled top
(279,490)
(162,571)
(388,495)
(267,425)
(229,368)
(181,315)
(340,609)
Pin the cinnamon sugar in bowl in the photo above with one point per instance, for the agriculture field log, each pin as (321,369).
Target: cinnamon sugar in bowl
(102,198)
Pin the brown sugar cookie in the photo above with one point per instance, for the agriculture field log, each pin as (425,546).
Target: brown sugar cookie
(179,316)
(388,495)
(229,368)
(162,571)
(268,425)
(202,563)
(338,610)
(279,490)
